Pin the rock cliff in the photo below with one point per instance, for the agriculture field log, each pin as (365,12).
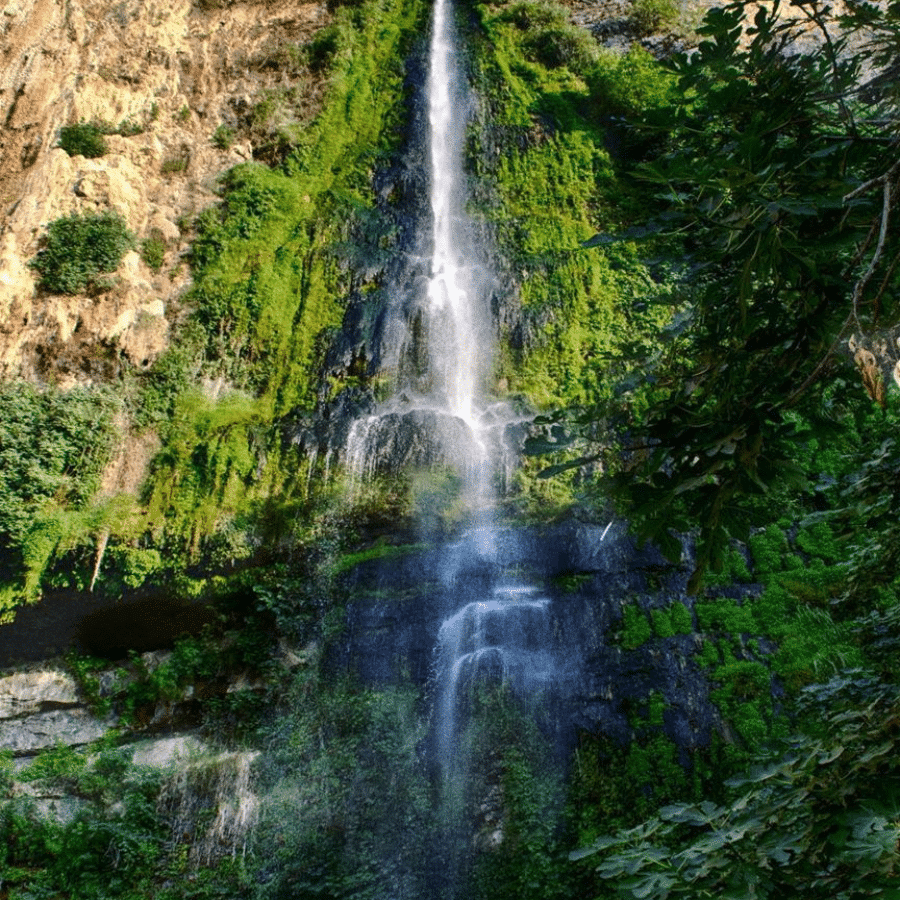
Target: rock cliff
(164,75)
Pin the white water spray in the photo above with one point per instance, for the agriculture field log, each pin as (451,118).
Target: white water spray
(454,344)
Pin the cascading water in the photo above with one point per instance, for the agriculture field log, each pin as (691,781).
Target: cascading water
(454,345)
(497,631)
(500,639)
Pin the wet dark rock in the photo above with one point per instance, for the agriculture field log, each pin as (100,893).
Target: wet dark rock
(589,572)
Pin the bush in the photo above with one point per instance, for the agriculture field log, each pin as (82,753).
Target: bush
(654,15)
(529,15)
(84,139)
(631,83)
(79,250)
(566,45)
(324,46)
(173,165)
(53,444)
(153,249)
(223,137)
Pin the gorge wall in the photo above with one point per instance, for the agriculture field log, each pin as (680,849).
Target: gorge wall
(273,152)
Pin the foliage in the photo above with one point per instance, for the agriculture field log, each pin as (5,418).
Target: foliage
(654,15)
(153,249)
(510,759)
(83,139)
(631,83)
(778,220)
(53,444)
(115,846)
(79,249)
(818,820)
(266,301)
(53,448)
(223,137)
(549,37)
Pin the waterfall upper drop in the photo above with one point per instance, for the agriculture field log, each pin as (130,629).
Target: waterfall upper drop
(455,346)
(439,329)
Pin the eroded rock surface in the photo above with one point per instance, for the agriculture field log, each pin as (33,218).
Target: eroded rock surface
(174,72)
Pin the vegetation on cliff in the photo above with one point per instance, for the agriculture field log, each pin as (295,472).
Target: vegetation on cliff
(742,234)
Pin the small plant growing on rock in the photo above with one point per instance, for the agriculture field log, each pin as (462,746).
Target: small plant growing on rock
(223,137)
(173,165)
(153,249)
(654,15)
(79,250)
(84,139)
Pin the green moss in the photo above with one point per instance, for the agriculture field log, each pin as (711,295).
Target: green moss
(662,622)
(635,627)
(682,622)
(769,548)
(381,551)
(709,654)
(671,620)
(727,616)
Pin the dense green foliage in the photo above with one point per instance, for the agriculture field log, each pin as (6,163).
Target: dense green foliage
(112,842)
(83,139)
(53,448)
(752,416)
(778,220)
(79,250)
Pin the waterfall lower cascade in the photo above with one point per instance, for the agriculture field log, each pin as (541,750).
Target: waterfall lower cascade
(500,639)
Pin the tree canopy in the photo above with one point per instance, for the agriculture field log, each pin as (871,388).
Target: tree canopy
(773,173)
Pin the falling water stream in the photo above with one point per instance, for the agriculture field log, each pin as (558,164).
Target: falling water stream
(497,628)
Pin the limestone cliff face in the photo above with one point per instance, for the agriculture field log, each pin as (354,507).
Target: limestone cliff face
(176,70)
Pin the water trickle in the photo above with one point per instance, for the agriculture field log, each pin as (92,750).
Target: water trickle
(501,639)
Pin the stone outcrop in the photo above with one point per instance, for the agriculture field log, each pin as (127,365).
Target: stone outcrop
(41,709)
(24,693)
(173,73)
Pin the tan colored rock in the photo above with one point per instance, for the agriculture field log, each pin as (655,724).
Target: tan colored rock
(23,693)
(169,66)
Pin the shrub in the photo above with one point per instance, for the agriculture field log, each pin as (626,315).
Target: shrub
(223,137)
(53,444)
(322,49)
(84,139)
(629,83)
(173,165)
(80,249)
(529,15)
(153,249)
(566,45)
(654,15)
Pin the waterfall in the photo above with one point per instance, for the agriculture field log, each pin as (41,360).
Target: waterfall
(454,346)
(497,633)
